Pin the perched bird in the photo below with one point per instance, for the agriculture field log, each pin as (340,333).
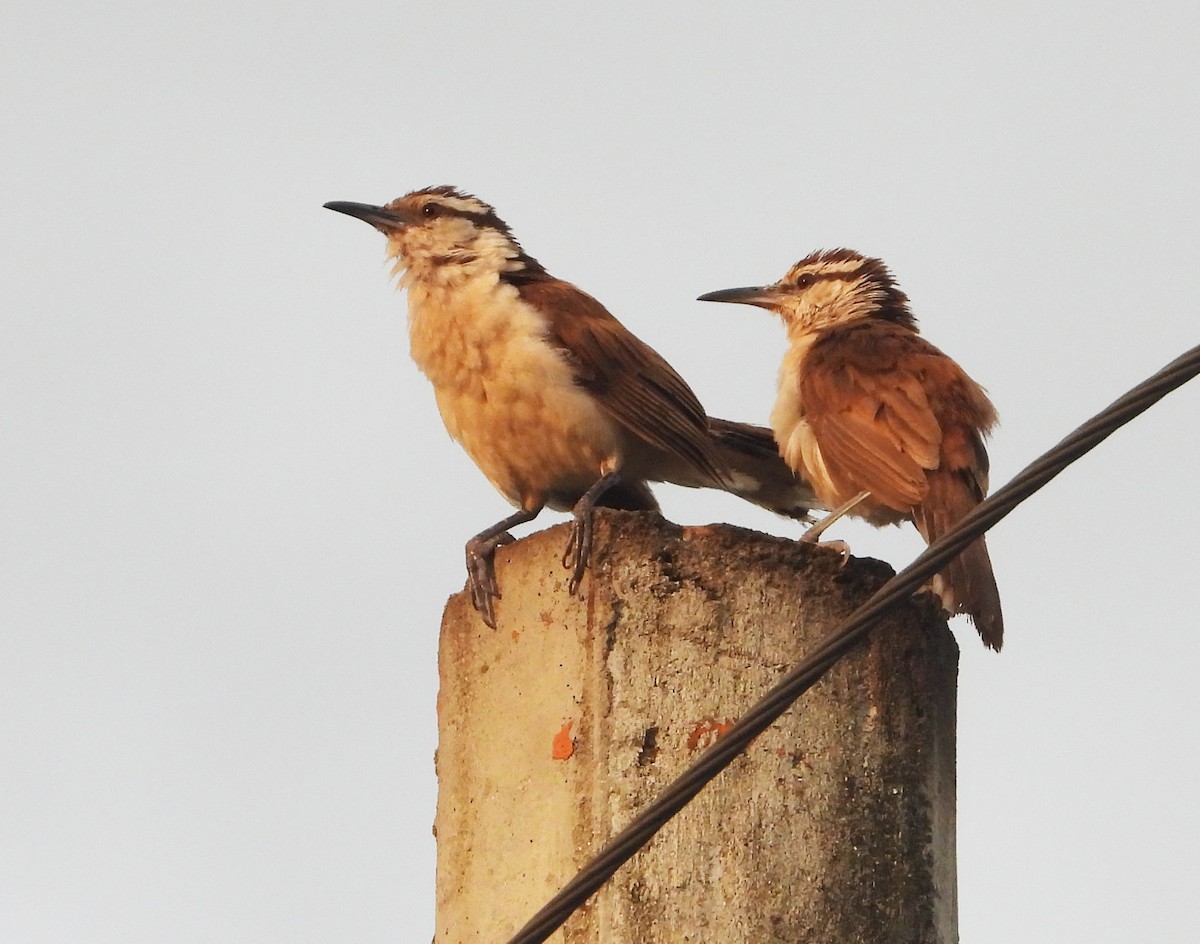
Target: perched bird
(882,424)
(555,400)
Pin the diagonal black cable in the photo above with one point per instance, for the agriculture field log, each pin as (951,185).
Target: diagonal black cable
(622,847)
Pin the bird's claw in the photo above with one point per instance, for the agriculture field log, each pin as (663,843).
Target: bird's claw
(841,548)
(578,551)
(481,575)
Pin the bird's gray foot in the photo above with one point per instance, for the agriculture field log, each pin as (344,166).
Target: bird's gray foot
(579,550)
(481,574)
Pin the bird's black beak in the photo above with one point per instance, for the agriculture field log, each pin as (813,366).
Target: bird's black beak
(764,296)
(383,219)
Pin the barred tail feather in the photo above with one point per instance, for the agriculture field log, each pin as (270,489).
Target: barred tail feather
(966,584)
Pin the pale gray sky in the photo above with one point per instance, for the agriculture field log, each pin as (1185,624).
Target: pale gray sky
(230,516)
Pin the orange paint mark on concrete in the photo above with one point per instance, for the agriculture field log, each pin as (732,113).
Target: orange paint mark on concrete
(515,635)
(564,745)
(706,732)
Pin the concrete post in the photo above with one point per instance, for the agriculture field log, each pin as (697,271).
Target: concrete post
(555,728)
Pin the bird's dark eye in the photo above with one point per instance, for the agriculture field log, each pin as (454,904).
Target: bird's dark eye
(429,210)
(805,280)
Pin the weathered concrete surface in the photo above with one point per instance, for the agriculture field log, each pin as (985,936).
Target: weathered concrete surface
(555,728)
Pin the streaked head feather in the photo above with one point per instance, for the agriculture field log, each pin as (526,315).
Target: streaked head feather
(832,286)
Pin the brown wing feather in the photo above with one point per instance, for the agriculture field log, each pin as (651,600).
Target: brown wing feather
(629,379)
(894,415)
(887,407)
(860,456)
(872,422)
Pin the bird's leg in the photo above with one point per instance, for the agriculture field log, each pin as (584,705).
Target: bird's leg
(481,563)
(579,547)
(812,534)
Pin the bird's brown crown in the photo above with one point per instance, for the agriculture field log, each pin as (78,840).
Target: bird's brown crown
(833,286)
(431,203)
(443,227)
